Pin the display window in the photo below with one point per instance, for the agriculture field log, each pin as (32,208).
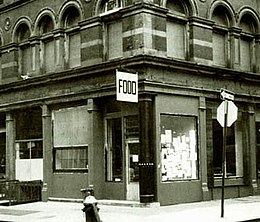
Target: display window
(236,151)
(70,142)
(258,148)
(218,147)
(179,156)
(114,150)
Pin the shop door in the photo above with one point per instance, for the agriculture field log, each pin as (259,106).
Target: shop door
(132,169)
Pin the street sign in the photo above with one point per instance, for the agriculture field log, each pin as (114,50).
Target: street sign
(226,116)
(226,95)
(231,111)
(126,87)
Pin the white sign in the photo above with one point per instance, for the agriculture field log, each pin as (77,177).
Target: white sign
(224,94)
(126,87)
(231,109)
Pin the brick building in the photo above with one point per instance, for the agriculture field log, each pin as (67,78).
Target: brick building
(62,124)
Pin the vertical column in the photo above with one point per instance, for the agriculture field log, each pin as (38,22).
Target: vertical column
(252,151)
(9,64)
(10,149)
(59,50)
(35,47)
(147,149)
(95,148)
(91,43)
(203,148)
(157,34)
(201,47)
(235,56)
(257,49)
(133,39)
(47,152)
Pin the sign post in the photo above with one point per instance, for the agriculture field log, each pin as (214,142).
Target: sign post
(224,157)
(226,116)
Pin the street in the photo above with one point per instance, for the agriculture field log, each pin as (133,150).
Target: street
(239,209)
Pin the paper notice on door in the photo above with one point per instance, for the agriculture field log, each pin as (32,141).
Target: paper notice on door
(135,158)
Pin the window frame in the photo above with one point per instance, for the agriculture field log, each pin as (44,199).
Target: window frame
(71,144)
(257,123)
(47,39)
(67,148)
(223,31)
(25,46)
(109,176)
(195,125)
(180,20)
(240,145)
(249,38)
(230,144)
(119,4)
(67,39)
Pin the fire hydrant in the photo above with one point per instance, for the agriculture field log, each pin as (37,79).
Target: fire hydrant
(90,209)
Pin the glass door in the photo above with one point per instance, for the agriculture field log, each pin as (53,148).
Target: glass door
(132,169)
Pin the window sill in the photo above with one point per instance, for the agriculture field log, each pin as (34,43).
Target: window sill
(71,171)
(231,181)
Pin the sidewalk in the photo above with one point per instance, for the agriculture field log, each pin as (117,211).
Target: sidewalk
(239,209)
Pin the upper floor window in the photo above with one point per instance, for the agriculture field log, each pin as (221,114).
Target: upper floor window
(220,36)
(22,35)
(72,38)
(47,57)
(247,43)
(114,44)
(110,5)
(177,29)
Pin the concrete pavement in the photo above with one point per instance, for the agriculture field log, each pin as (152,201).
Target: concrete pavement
(238,209)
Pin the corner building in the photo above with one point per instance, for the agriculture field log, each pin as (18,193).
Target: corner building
(60,121)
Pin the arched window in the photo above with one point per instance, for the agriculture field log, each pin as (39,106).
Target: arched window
(247,43)
(72,38)
(47,57)
(113,47)
(22,35)
(110,6)
(220,36)
(177,29)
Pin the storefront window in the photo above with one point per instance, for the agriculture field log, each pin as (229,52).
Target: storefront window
(235,140)
(113,152)
(29,145)
(218,147)
(70,139)
(258,147)
(29,149)
(74,158)
(179,156)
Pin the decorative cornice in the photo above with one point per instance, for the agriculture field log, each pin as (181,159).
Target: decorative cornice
(199,21)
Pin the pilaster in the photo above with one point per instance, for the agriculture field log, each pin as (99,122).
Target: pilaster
(10,149)
(95,148)
(201,46)
(47,152)
(203,149)
(147,149)
(252,151)
(9,60)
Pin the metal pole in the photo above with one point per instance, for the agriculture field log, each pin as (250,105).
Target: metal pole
(224,157)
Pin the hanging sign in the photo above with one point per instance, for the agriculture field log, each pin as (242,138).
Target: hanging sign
(126,87)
